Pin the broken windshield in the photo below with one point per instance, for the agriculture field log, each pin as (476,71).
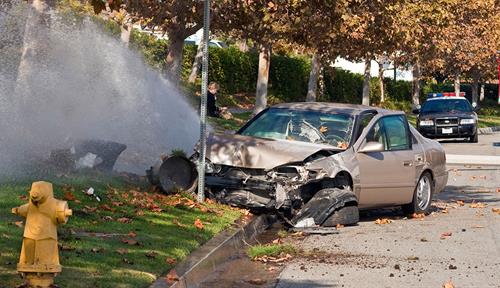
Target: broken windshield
(302,125)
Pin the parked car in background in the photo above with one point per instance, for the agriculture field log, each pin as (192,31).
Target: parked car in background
(445,115)
(318,164)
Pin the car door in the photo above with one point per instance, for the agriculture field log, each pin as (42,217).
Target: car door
(387,177)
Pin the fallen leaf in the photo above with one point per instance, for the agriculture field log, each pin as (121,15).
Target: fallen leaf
(412,258)
(131,234)
(130,241)
(448,284)
(445,234)
(124,220)
(473,178)
(482,177)
(498,189)
(338,226)
(106,207)
(65,247)
(198,224)
(96,250)
(383,221)
(277,241)
(23,197)
(478,205)
(151,254)
(444,211)
(89,209)
(107,218)
(126,261)
(460,202)
(122,251)
(418,215)
(477,226)
(19,224)
(68,196)
(172,276)
(171,261)
(495,210)
(139,213)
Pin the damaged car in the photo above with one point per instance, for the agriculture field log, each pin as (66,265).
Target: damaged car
(317,164)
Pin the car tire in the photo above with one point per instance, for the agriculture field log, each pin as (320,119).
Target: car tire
(474,139)
(348,215)
(422,196)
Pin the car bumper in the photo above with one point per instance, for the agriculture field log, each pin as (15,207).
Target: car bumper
(461,131)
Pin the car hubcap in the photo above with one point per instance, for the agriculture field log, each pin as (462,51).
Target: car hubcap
(423,192)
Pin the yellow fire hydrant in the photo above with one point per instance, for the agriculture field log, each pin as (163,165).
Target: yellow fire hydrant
(39,259)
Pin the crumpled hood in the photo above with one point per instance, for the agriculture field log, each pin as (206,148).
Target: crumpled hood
(258,153)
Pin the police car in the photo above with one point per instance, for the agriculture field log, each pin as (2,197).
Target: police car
(445,115)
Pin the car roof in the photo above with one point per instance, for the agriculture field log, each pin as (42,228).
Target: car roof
(329,107)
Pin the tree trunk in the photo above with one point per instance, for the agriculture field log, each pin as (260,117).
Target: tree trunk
(196,64)
(174,57)
(381,81)
(481,93)
(312,86)
(262,78)
(457,84)
(415,98)
(242,45)
(475,88)
(366,82)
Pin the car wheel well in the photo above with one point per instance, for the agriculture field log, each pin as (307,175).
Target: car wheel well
(430,173)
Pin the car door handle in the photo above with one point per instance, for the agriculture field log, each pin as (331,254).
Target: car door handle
(408,163)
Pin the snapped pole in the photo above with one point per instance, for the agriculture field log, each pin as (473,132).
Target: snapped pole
(203,105)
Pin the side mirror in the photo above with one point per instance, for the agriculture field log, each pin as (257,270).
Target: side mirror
(416,109)
(372,146)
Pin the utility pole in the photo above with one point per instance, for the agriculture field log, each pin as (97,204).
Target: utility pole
(203,105)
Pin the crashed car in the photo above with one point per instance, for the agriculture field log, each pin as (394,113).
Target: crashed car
(318,164)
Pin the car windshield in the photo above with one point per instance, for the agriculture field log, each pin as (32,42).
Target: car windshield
(302,125)
(446,105)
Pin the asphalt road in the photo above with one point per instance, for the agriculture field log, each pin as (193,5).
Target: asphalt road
(416,252)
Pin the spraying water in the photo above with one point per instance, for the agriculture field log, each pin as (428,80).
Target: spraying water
(68,80)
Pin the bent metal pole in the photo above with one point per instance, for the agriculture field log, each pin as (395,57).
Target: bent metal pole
(203,106)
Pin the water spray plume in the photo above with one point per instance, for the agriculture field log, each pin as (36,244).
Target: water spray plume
(67,80)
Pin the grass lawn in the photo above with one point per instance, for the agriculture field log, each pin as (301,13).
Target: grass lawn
(484,121)
(143,233)
(239,119)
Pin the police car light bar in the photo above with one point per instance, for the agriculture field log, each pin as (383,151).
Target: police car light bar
(445,94)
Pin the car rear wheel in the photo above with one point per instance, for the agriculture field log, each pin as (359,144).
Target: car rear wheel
(474,139)
(422,196)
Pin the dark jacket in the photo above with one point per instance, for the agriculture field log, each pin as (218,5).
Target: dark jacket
(212,109)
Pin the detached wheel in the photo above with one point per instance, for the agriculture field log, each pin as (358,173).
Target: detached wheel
(348,215)
(474,139)
(422,196)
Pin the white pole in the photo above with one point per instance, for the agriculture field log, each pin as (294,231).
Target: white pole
(203,106)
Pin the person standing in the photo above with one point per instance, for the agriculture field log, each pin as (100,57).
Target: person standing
(212,109)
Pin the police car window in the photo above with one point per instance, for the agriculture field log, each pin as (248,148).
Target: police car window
(446,105)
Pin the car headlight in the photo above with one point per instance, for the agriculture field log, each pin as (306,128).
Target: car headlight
(468,121)
(426,123)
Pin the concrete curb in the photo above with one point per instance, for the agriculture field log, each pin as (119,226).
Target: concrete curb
(490,160)
(488,130)
(203,261)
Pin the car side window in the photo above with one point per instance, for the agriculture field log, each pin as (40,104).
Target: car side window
(396,130)
(363,123)
(377,134)
(392,132)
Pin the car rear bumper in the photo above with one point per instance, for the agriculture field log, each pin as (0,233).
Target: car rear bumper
(461,131)
(440,182)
